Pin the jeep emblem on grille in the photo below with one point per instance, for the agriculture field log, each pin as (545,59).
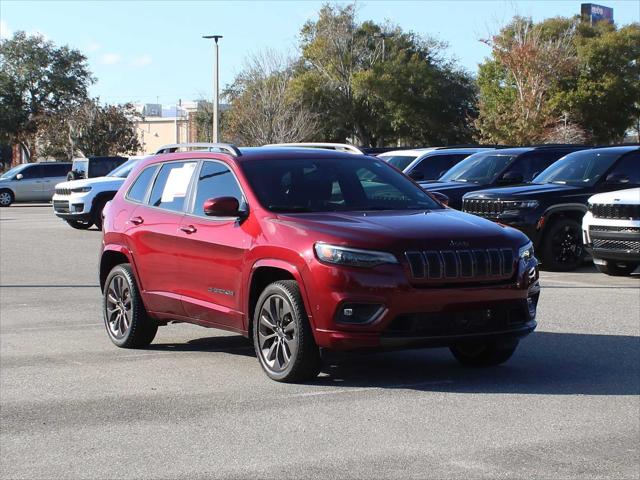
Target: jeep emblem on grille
(459,244)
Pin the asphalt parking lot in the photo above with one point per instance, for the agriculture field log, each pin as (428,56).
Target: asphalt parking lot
(196,404)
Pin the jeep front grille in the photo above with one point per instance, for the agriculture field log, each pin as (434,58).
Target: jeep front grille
(63,191)
(484,208)
(607,228)
(632,246)
(461,265)
(617,211)
(61,206)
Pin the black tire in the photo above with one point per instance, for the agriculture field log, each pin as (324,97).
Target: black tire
(292,334)
(79,224)
(562,248)
(616,270)
(483,354)
(6,198)
(96,212)
(134,329)
(70,176)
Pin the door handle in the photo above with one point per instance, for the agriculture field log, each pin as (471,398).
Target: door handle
(137,220)
(189,229)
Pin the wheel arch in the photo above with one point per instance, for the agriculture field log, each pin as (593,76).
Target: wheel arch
(111,256)
(574,211)
(265,272)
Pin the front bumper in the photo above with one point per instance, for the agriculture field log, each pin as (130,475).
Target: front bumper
(72,207)
(423,316)
(616,240)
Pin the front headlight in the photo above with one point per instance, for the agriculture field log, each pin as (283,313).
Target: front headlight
(352,257)
(522,204)
(81,189)
(526,252)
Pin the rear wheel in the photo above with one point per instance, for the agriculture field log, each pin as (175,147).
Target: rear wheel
(125,318)
(562,248)
(282,335)
(483,354)
(6,198)
(616,270)
(79,224)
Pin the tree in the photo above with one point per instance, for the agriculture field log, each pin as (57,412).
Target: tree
(262,108)
(588,73)
(38,81)
(376,84)
(91,129)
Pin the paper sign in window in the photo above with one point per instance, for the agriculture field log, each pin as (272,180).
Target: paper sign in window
(177,183)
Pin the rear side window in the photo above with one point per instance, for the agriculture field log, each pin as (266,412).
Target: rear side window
(434,166)
(54,170)
(139,188)
(215,180)
(171,185)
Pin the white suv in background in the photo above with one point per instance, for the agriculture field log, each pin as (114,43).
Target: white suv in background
(611,231)
(80,202)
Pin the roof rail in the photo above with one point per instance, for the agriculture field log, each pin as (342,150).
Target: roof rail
(339,147)
(220,147)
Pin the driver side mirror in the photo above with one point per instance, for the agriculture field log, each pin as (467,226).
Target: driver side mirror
(617,178)
(440,197)
(222,207)
(19,176)
(511,178)
(416,175)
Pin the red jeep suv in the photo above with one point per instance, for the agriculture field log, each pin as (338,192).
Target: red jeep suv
(302,249)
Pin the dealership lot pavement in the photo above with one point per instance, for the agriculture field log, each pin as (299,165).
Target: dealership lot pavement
(196,404)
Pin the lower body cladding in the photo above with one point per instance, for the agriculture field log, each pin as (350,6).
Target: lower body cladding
(390,313)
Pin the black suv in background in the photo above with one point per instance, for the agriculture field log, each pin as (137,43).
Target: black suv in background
(94,167)
(496,168)
(550,209)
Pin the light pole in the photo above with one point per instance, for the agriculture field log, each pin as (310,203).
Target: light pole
(216,82)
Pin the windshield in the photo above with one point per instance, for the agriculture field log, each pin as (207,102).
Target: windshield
(14,171)
(399,161)
(579,168)
(123,170)
(325,185)
(479,168)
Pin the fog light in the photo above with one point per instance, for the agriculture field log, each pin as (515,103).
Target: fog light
(360,313)
(78,207)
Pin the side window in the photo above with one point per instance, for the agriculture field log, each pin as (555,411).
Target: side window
(139,188)
(215,180)
(32,172)
(60,170)
(433,166)
(629,166)
(171,185)
(529,165)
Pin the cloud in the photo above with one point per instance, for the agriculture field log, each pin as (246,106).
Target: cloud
(93,46)
(110,58)
(142,61)
(5,31)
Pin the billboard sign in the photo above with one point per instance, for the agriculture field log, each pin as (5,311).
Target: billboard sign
(593,13)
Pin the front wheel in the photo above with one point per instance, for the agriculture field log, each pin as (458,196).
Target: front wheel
(483,354)
(6,198)
(562,248)
(124,314)
(79,224)
(282,335)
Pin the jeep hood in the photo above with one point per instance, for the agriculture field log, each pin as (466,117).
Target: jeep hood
(100,182)
(403,230)
(531,191)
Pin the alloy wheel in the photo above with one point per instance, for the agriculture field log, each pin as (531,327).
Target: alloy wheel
(277,333)
(567,247)
(5,199)
(119,306)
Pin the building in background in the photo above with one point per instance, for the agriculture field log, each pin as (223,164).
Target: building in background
(592,13)
(165,124)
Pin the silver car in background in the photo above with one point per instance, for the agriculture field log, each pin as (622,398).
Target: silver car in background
(32,182)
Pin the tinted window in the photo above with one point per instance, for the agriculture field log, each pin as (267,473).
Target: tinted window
(322,185)
(434,166)
(53,170)
(14,171)
(579,168)
(215,180)
(531,164)
(629,166)
(139,188)
(99,167)
(123,170)
(479,168)
(399,161)
(171,185)
(33,171)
